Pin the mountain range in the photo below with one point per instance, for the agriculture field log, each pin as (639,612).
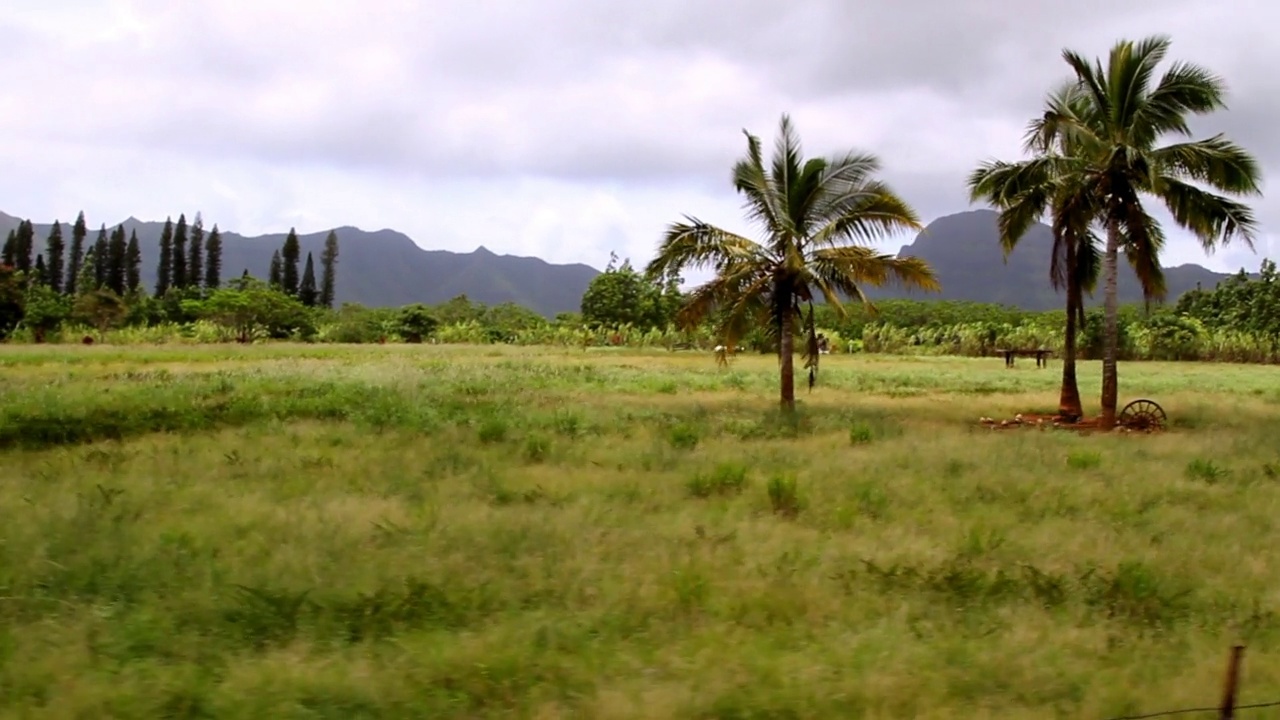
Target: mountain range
(379,268)
(386,268)
(964,250)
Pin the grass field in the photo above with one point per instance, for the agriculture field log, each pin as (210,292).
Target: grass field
(432,532)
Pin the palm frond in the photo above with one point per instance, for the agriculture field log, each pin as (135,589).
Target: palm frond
(1089,252)
(832,283)
(1060,117)
(1184,89)
(696,244)
(804,193)
(872,212)
(810,354)
(746,308)
(1130,75)
(733,284)
(864,266)
(787,155)
(763,204)
(844,179)
(1212,218)
(1076,205)
(1214,161)
(1091,79)
(1143,240)
(1021,190)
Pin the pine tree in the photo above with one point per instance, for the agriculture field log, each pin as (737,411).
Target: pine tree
(307,289)
(25,245)
(101,258)
(290,255)
(86,281)
(117,264)
(78,233)
(213,259)
(273,276)
(328,261)
(133,263)
(41,272)
(164,268)
(195,257)
(179,276)
(55,248)
(10,256)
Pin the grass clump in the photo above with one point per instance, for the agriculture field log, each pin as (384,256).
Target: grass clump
(784,495)
(1084,460)
(537,448)
(725,479)
(1206,471)
(684,436)
(492,430)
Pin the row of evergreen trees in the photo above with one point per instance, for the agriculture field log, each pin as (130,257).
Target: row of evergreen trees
(189,259)
(283,274)
(111,262)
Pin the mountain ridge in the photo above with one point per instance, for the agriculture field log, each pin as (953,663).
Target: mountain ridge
(381,267)
(386,267)
(964,249)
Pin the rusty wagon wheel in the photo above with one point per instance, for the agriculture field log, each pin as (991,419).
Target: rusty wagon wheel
(1143,414)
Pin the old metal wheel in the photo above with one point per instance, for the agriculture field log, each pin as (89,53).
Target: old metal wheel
(1143,414)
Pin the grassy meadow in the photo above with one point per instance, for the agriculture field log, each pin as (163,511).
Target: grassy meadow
(283,531)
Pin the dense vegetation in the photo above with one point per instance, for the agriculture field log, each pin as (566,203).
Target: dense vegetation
(1239,321)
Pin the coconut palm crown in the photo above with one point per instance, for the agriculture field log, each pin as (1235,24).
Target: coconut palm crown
(816,217)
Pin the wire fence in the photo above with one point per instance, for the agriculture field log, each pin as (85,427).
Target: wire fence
(1227,709)
(1189,711)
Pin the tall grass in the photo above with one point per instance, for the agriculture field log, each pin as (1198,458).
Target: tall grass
(454,532)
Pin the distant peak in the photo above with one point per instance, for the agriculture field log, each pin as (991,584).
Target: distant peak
(482,250)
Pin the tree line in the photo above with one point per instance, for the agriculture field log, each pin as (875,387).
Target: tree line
(111,262)
(283,272)
(99,283)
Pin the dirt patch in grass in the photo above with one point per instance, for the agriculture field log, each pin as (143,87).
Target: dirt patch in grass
(1053,421)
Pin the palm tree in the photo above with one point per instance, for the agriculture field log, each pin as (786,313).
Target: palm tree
(810,211)
(1025,191)
(1111,123)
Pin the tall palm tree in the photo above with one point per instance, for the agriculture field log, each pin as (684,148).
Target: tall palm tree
(810,211)
(1112,123)
(1025,192)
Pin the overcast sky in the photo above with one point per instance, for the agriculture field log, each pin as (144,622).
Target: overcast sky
(557,128)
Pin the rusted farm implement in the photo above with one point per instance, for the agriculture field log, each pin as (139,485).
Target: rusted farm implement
(1143,415)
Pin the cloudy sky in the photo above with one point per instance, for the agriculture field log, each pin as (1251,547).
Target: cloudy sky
(558,128)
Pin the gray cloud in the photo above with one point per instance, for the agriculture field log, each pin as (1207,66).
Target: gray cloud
(627,96)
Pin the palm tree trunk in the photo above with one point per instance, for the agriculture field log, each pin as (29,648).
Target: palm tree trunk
(1069,406)
(1111,328)
(786,353)
(1069,400)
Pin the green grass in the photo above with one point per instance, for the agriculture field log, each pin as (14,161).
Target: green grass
(368,532)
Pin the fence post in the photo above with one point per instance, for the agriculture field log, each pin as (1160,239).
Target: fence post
(1228,709)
